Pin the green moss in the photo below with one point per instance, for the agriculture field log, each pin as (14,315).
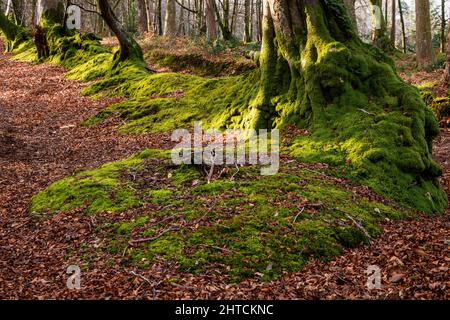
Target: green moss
(99,190)
(185,175)
(198,64)
(13,34)
(214,188)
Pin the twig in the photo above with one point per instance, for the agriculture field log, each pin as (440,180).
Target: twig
(357,224)
(300,212)
(140,276)
(215,247)
(366,112)
(211,170)
(134,242)
(237,167)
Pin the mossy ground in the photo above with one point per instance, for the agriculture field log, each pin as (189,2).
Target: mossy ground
(250,226)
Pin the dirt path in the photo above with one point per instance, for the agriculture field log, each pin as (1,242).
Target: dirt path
(41,140)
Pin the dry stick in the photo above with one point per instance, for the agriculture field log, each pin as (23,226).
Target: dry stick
(216,247)
(300,212)
(163,220)
(134,242)
(237,167)
(211,170)
(140,276)
(358,225)
(366,112)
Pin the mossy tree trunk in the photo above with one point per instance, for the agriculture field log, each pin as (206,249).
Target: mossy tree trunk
(50,12)
(350,5)
(129,48)
(380,37)
(13,34)
(317,73)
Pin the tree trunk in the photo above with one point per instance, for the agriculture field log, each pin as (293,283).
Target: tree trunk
(424,49)
(50,12)
(142,16)
(247,35)
(129,49)
(393,22)
(350,5)
(8,8)
(210,16)
(315,72)
(224,23)
(12,33)
(443,47)
(447,59)
(158,17)
(379,29)
(402,23)
(259,20)
(170,27)
(33,12)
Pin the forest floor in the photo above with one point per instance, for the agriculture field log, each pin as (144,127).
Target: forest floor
(41,140)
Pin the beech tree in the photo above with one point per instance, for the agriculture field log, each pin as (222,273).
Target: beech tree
(317,72)
(350,5)
(424,49)
(210,17)
(170,22)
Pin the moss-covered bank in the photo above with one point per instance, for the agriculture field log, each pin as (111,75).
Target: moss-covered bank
(252,226)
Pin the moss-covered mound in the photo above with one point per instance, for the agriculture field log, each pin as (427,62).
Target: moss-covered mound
(197,64)
(440,106)
(249,226)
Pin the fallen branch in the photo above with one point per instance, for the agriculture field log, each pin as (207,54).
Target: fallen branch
(358,225)
(140,276)
(137,241)
(299,213)
(366,112)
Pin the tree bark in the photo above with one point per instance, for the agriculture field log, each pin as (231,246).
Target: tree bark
(224,23)
(247,35)
(402,23)
(443,47)
(129,49)
(393,22)
(424,49)
(350,5)
(447,59)
(142,16)
(158,17)
(210,16)
(315,72)
(379,31)
(170,27)
(50,11)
